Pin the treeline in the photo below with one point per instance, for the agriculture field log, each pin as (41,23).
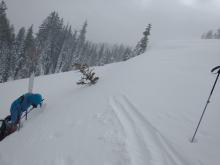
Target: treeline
(211,34)
(54,48)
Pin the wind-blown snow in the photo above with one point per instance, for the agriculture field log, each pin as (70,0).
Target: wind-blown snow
(142,111)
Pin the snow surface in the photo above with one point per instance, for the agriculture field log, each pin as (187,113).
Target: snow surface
(141,112)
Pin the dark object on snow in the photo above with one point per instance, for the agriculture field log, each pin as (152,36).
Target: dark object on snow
(88,76)
(215,70)
(6,127)
(142,45)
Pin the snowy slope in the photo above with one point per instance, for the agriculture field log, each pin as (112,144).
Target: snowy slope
(142,111)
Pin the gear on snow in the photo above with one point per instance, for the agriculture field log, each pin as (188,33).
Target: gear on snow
(12,122)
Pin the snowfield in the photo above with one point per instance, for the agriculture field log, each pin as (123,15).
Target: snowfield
(141,112)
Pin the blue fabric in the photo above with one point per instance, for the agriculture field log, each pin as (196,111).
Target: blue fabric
(19,106)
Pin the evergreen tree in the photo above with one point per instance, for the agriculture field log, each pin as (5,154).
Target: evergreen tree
(142,44)
(6,41)
(209,34)
(6,35)
(56,48)
(127,54)
(30,53)
(101,51)
(71,58)
(19,57)
(85,52)
(50,39)
(218,34)
(66,51)
(80,44)
(88,76)
(92,55)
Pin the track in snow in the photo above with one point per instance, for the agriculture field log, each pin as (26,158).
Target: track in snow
(144,143)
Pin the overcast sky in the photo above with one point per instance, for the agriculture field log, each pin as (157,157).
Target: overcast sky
(123,21)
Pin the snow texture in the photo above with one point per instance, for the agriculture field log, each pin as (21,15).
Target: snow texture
(142,111)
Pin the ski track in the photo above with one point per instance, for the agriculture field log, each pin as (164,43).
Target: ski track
(144,142)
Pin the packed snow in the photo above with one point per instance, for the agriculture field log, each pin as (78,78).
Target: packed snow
(141,112)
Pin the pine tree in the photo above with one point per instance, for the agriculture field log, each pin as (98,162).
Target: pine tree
(6,41)
(66,51)
(30,52)
(100,54)
(127,54)
(106,56)
(80,44)
(50,39)
(85,52)
(92,55)
(71,58)
(143,43)
(209,34)
(5,28)
(88,76)
(19,57)
(218,34)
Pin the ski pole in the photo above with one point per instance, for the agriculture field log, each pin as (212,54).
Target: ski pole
(208,101)
(25,115)
(28,111)
(19,123)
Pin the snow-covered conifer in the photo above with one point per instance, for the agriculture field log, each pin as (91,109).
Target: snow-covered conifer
(6,42)
(19,58)
(80,44)
(142,44)
(50,40)
(30,52)
(88,76)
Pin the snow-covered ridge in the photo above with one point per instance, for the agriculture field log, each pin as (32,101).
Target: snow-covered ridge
(142,111)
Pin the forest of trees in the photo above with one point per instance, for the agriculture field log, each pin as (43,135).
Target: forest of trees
(211,34)
(54,48)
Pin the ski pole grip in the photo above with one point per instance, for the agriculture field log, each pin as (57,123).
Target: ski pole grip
(216,70)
